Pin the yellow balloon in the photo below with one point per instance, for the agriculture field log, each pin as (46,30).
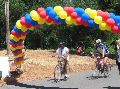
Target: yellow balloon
(20,55)
(23,50)
(98,19)
(12,48)
(108,28)
(41,21)
(101,28)
(103,24)
(23,28)
(57,9)
(11,36)
(88,11)
(93,13)
(63,14)
(22,37)
(68,20)
(16,39)
(18,24)
(74,21)
(34,15)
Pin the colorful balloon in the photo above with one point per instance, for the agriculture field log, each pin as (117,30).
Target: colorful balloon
(93,13)
(43,14)
(98,19)
(69,20)
(63,15)
(74,15)
(52,14)
(79,21)
(69,10)
(79,11)
(39,10)
(110,22)
(34,15)
(57,9)
(85,17)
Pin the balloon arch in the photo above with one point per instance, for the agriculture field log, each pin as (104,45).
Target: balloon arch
(57,15)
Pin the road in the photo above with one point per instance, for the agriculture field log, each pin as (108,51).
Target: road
(76,81)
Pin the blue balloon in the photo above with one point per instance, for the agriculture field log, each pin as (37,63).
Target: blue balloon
(15,42)
(85,17)
(91,23)
(17,30)
(79,11)
(117,19)
(15,51)
(57,19)
(112,15)
(34,23)
(48,9)
(52,14)
(28,18)
(17,59)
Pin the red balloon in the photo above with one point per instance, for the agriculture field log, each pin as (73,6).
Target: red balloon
(39,10)
(74,15)
(17,53)
(115,29)
(85,23)
(110,22)
(79,21)
(48,19)
(100,13)
(105,15)
(15,34)
(43,14)
(23,22)
(69,10)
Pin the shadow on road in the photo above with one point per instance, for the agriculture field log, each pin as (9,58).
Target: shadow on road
(96,77)
(13,81)
(109,87)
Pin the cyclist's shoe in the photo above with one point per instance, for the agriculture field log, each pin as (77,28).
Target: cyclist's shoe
(66,76)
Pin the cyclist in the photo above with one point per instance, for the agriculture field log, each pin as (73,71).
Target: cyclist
(102,49)
(63,52)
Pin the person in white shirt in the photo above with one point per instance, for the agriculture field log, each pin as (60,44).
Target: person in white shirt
(63,53)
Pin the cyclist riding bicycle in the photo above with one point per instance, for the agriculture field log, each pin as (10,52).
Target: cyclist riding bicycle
(63,52)
(102,49)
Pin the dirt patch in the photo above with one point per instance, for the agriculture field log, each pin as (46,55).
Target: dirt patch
(41,64)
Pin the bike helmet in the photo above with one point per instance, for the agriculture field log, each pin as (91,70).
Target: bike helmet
(98,41)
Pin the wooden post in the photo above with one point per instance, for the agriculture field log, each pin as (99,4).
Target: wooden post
(7,25)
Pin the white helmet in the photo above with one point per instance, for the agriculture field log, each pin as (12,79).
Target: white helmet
(98,41)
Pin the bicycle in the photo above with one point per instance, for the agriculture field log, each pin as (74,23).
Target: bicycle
(60,69)
(102,68)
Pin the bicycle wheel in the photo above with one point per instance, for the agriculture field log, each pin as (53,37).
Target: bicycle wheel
(57,73)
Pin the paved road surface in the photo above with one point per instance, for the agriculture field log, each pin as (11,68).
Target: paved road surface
(76,81)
